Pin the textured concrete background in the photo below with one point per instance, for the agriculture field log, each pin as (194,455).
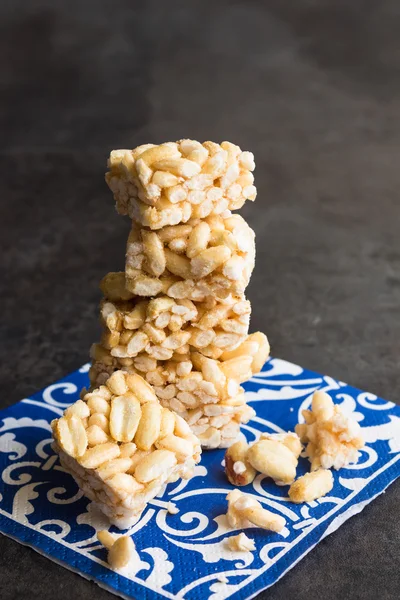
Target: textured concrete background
(313,88)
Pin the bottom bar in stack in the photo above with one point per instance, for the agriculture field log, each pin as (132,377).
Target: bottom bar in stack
(203,391)
(121,446)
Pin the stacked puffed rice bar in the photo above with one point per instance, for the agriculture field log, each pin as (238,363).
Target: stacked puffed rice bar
(166,375)
(178,315)
(121,446)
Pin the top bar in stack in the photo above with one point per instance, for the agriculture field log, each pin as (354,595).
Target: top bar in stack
(177,181)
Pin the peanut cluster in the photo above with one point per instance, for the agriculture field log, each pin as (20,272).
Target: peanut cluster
(245,511)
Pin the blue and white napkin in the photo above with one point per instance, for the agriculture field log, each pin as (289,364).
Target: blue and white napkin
(185,555)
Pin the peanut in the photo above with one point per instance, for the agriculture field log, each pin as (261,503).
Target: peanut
(121,552)
(72,435)
(273,459)
(311,486)
(124,417)
(149,426)
(156,464)
(96,456)
(245,473)
(290,440)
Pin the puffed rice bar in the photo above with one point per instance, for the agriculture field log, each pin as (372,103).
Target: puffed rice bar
(239,364)
(210,257)
(213,414)
(176,181)
(205,392)
(121,446)
(333,440)
(161,326)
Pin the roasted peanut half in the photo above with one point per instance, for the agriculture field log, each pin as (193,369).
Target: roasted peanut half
(311,486)
(121,552)
(291,440)
(149,426)
(273,459)
(72,436)
(124,417)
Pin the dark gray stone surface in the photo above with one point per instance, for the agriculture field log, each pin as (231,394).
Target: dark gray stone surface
(313,88)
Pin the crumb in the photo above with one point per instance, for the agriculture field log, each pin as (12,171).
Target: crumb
(241,543)
(245,511)
(172,508)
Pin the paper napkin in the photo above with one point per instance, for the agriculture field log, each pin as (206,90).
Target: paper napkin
(186,555)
